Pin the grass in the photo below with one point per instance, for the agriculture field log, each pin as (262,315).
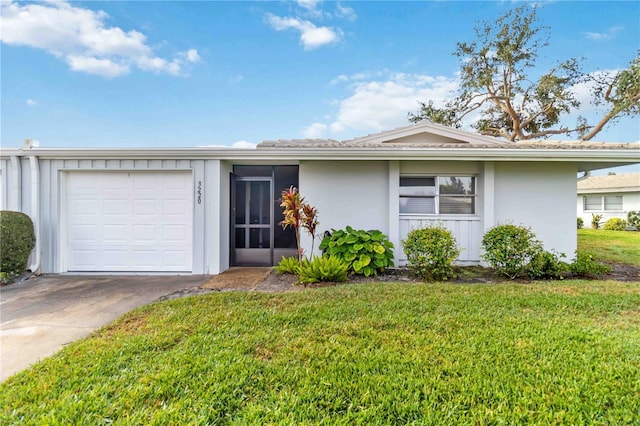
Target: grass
(543,353)
(611,246)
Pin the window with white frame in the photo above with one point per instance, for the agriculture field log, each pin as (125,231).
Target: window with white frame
(438,195)
(602,203)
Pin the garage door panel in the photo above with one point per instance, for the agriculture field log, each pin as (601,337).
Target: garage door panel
(174,258)
(115,182)
(129,222)
(144,232)
(145,208)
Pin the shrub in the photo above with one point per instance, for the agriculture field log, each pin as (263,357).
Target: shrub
(288,265)
(585,265)
(580,223)
(509,249)
(595,221)
(547,265)
(431,253)
(322,269)
(615,224)
(18,239)
(633,218)
(365,252)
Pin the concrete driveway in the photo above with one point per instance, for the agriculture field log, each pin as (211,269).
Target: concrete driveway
(39,316)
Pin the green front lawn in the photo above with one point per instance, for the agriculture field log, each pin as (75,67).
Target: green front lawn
(611,246)
(543,353)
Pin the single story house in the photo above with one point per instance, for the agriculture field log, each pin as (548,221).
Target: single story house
(609,196)
(203,210)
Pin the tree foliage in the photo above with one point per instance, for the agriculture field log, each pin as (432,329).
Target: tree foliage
(496,82)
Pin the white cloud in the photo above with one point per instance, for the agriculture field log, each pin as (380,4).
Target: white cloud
(80,36)
(311,36)
(608,35)
(243,145)
(315,131)
(345,12)
(102,67)
(375,105)
(192,55)
(239,144)
(311,7)
(31,102)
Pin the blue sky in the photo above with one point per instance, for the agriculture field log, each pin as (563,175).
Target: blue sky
(199,73)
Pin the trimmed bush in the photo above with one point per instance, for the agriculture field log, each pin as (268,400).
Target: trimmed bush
(509,249)
(580,223)
(431,253)
(585,265)
(365,252)
(615,224)
(595,221)
(18,238)
(633,218)
(322,269)
(547,265)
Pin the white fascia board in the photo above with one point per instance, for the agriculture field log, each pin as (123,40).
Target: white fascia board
(607,190)
(603,156)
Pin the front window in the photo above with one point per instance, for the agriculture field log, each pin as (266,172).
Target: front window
(603,202)
(437,195)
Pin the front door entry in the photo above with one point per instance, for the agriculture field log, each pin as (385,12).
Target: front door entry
(253,221)
(256,236)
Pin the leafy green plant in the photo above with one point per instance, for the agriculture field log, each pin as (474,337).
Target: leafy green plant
(509,249)
(288,265)
(580,223)
(585,265)
(322,269)
(431,253)
(595,221)
(366,252)
(633,218)
(18,238)
(615,224)
(547,265)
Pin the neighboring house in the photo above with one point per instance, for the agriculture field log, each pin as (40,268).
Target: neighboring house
(202,210)
(609,196)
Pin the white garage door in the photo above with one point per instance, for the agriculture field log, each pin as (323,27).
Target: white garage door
(129,221)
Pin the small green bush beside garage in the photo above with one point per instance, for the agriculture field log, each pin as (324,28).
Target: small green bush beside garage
(17,241)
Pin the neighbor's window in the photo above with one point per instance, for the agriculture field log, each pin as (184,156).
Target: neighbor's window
(437,195)
(602,202)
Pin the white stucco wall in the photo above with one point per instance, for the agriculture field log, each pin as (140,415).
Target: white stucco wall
(540,196)
(346,193)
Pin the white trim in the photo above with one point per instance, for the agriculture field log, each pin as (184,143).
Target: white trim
(488,195)
(394,206)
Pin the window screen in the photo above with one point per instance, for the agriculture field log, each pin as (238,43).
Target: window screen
(613,202)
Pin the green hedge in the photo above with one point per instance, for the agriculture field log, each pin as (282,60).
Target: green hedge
(18,239)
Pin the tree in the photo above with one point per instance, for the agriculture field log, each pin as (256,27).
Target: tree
(495,82)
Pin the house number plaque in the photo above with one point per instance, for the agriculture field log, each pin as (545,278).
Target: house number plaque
(199,192)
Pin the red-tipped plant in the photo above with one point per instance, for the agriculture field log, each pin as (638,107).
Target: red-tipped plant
(298,214)
(310,222)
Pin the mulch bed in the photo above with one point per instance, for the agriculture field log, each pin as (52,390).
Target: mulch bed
(266,279)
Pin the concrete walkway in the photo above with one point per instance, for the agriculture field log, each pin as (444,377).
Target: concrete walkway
(39,316)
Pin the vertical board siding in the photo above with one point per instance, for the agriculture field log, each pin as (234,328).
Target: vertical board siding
(51,193)
(466,231)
